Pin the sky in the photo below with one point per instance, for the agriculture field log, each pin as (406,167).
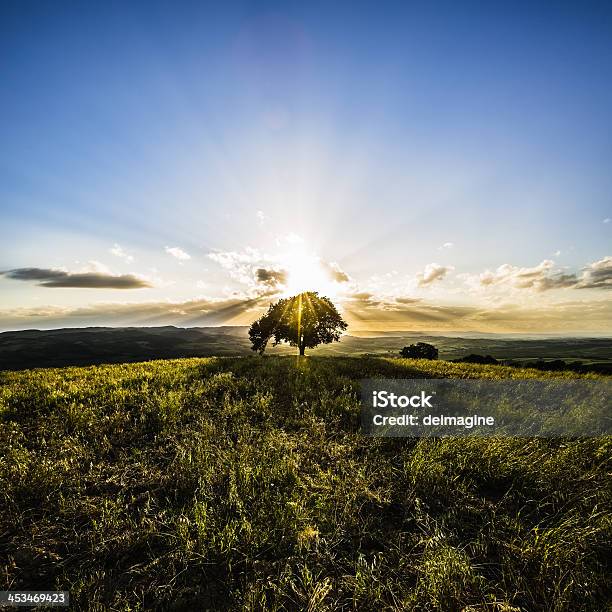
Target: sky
(429,166)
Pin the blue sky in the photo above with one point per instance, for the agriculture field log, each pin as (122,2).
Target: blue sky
(429,165)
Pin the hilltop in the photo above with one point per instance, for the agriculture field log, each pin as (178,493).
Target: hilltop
(244,483)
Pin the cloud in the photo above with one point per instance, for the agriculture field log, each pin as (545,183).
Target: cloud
(362,310)
(607,220)
(260,273)
(447,245)
(178,253)
(271,277)
(235,261)
(360,300)
(543,277)
(597,275)
(249,267)
(118,251)
(261,217)
(540,278)
(366,311)
(233,310)
(84,280)
(291,239)
(567,317)
(433,272)
(335,272)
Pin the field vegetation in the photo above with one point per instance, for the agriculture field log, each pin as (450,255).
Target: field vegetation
(245,484)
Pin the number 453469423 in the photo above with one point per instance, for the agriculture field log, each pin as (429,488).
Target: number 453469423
(33,598)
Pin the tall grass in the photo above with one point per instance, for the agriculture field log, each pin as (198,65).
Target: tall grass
(245,484)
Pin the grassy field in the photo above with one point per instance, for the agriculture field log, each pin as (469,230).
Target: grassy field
(244,484)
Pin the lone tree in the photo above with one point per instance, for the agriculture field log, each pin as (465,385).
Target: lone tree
(305,320)
(420,350)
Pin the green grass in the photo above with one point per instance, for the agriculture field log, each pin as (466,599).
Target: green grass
(245,484)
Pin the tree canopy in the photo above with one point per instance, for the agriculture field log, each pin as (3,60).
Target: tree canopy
(305,321)
(420,350)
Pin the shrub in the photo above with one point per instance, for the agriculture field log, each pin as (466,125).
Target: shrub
(420,350)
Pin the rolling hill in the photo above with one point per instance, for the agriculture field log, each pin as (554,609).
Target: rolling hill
(95,345)
(246,484)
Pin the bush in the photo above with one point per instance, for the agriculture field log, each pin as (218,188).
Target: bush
(420,350)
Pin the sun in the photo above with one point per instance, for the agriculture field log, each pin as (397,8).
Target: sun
(305,272)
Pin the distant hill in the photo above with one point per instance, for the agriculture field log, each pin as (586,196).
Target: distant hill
(95,345)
